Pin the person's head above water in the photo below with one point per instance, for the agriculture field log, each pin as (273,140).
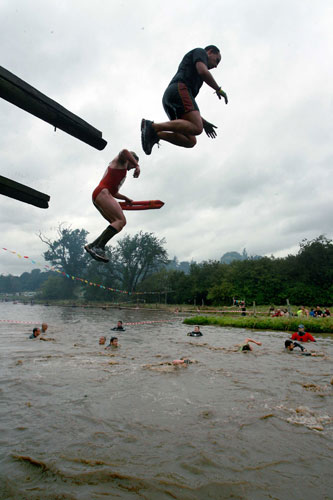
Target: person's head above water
(114,341)
(301,330)
(119,324)
(289,344)
(102,340)
(197,328)
(36,332)
(44,327)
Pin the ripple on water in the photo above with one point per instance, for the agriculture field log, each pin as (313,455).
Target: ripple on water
(79,422)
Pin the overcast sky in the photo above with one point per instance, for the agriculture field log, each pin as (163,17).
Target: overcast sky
(265,182)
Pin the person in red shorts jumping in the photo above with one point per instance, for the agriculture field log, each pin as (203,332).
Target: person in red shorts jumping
(302,336)
(104,199)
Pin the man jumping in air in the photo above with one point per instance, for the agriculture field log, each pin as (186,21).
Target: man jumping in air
(104,200)
(179,102)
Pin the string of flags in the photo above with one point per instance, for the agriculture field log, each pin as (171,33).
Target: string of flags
(76,278)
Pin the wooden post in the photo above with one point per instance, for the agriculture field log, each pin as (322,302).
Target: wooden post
(254,309)
(289,309)
(23,95)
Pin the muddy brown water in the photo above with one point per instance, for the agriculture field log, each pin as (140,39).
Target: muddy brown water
(80,422)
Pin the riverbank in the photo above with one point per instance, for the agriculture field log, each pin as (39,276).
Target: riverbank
(259,311)
(315,325)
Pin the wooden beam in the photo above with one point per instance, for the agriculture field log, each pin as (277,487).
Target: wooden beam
(26,97)
(23,193)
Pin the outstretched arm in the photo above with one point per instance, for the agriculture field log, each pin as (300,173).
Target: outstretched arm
(252,340)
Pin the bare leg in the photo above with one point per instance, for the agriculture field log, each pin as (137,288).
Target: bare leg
(189,124)
(186,141)
(110,209)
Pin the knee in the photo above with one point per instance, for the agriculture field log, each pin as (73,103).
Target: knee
(122,223)
(198,130)
(191,142)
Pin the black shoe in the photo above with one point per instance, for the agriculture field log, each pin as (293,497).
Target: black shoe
(148,136)
(96,253)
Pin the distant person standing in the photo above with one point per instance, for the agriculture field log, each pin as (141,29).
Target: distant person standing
(302,336)
(179,102)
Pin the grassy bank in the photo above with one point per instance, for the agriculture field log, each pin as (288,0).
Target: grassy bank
(319,325)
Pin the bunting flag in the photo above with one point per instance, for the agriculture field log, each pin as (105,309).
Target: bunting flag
(75,278)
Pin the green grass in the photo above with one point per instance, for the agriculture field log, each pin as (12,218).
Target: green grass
(318,325)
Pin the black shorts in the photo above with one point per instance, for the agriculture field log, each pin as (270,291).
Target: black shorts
(178,100)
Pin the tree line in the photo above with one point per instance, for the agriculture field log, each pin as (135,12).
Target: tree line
(140,263)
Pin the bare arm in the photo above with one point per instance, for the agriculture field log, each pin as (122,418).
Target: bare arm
(252,340)
(206,75)
(207,78)
(126,155)
(122,197)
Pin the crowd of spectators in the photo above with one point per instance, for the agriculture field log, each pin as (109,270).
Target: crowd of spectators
(315,312)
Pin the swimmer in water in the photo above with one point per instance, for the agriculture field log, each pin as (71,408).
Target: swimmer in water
(170,366)
(35,333)
(113,343)
(291,344)
(102,340)
(246,345)
(196,332)
(182,361)
(119,327)
(44,327)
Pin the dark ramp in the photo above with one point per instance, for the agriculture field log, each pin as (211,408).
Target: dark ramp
(20,93)
(23,193)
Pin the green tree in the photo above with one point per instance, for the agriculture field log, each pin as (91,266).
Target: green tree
(68,255)
(54,288)
(139,256)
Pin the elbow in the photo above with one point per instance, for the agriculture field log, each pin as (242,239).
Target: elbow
(123,155)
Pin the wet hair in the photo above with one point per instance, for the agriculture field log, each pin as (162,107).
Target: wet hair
(112,339)
(288,343)
(35,330)
(119,321)
(246,347)
(135,156)
(213,48)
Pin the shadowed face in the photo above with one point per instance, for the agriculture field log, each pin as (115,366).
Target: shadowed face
(213,59)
